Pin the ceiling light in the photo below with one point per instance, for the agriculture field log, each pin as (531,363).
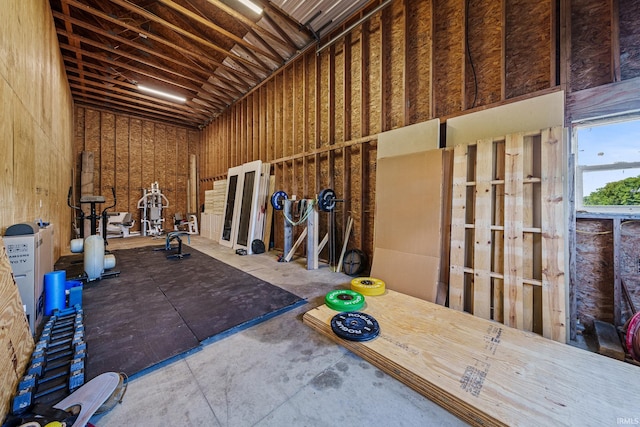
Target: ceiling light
(257,9)
(162,94)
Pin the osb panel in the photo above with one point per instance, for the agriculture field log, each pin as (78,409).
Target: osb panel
(106,166)
(339,112)
(270,120)
(148,157)
(135,169)
(485,49)
(395,63)
(78,142)
(355,163)
(324,97)
(630,264)
(298,178)
(288,111)
(374,65)
(311,104)
(594,278)
(160,151)
(418,61)
(299,108)
(590,43)
(525,39)
(629,37)
(174,193)
(92,143)
(355,93)
(122,163)
(255,126)
(261,123)
(448,56)
(370,198)
(278,99)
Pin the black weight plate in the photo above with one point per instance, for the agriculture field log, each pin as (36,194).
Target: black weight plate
(327,200)
(355,326)
(354,262)
(277,200)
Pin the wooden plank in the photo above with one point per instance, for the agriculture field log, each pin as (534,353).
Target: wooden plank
(609,343)
(486,373)
(483,238)
(528,238)
(458,215)
(553,225)
(498,238)
(513,206)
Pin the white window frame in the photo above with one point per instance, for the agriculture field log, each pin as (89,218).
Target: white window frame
(581,169)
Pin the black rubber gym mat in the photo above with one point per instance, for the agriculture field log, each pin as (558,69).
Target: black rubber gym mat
(159,308)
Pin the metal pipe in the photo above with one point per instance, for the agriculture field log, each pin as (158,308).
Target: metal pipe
(354,25)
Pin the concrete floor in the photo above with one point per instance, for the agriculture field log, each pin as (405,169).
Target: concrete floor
(277,373)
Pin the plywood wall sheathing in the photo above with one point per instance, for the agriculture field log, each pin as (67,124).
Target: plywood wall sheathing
(508,231)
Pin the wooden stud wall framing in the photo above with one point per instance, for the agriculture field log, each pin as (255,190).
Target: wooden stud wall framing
(411,62)
(501,189)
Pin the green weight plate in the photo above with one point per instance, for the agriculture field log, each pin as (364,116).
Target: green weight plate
(344,300)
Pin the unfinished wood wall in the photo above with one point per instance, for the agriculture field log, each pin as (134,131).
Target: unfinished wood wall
(316,120)
(130,154)
(36,124)
(599,296)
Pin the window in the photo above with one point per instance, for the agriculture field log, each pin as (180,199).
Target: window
(608,166)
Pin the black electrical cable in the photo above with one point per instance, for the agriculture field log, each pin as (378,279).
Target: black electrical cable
(473,68)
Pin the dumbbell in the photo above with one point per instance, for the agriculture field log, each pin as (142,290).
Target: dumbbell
(42,372)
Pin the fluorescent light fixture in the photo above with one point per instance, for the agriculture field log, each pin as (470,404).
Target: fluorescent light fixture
(162,94)
(257,9)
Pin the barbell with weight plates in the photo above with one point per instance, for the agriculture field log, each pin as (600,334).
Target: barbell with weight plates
(277,200)
(327,200)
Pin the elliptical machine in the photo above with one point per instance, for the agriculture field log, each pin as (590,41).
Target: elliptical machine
(95,260)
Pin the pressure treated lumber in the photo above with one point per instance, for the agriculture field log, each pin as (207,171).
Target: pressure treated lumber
(487,373)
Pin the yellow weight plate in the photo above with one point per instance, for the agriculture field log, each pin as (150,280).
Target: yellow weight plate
(368,286)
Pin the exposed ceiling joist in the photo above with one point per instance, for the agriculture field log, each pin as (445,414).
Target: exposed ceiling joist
(211,52)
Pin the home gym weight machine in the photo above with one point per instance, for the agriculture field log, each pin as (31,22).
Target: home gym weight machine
(307,211)
(93,246)
(152,203)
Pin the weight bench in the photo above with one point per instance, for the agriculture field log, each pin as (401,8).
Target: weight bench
(175,235)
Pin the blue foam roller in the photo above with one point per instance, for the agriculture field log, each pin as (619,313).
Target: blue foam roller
(54,291)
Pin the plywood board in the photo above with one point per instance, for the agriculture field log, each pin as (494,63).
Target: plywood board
(408,223)
(486,373)
(15,335)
